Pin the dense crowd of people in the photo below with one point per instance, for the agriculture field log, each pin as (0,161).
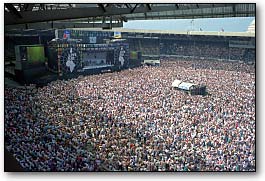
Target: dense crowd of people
(134,120)
(213,51)
(146,47)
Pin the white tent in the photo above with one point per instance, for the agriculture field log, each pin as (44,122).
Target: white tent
(186,85)
(176,83)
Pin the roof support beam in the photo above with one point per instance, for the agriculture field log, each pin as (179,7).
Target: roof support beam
(128,6)
(184,10)
(102,7)
(75,13)
(62,25)
(148,6)
(234,9)
(134,8)
(13,10)
(28,7)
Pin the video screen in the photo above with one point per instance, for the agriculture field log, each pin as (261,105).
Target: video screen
(133,55)
(35,54)
(94,58)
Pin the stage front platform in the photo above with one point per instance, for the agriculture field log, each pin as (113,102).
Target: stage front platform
(97,67)
(88,70)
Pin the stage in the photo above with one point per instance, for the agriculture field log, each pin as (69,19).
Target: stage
(97,67)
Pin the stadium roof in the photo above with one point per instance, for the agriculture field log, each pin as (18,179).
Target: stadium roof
(87,15)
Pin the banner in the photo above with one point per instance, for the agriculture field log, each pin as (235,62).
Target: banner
(66,34)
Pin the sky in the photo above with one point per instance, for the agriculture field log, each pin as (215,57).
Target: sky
(238,24)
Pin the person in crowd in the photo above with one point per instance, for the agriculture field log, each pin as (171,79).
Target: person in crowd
(134,120)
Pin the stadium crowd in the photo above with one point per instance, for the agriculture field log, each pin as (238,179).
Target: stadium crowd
(134,120)
(213,51)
